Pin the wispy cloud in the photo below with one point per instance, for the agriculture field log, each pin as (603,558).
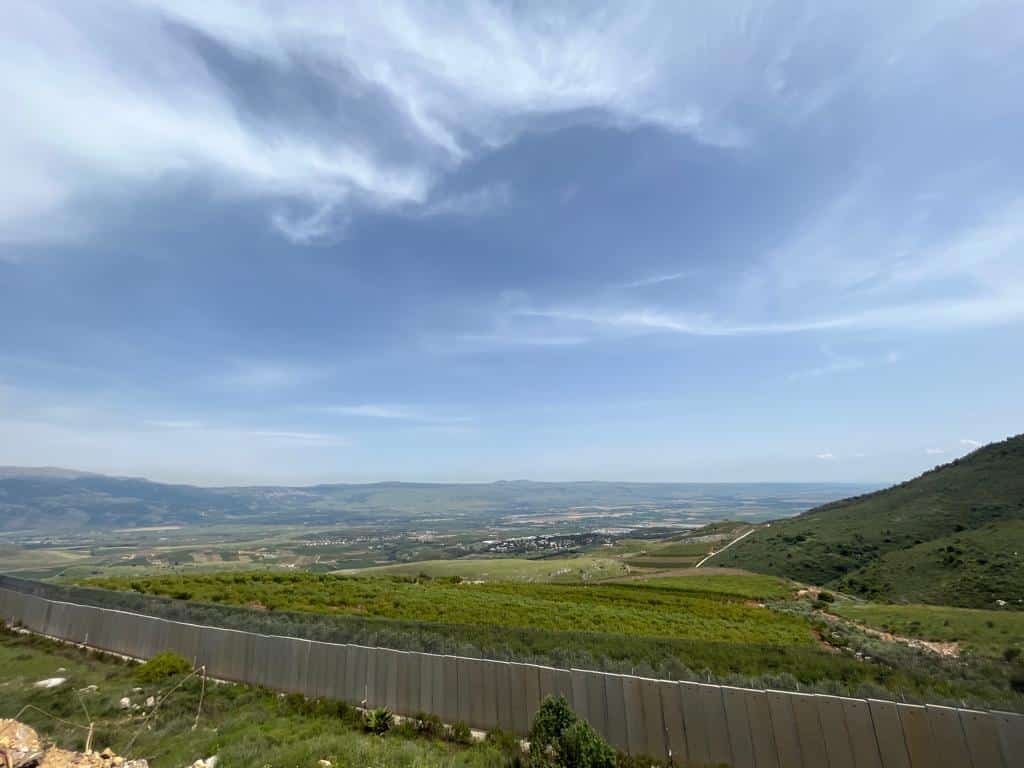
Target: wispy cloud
(476,202)
(656,280)
(456,82)
(392,412)
(971,443)
(827,456)
(934,451)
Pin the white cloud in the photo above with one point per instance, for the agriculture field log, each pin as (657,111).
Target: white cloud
(145,106)
(825,456)
(935,451)
(971,443)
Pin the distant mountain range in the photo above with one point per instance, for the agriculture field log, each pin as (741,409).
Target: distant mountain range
(954,536)
(41,499)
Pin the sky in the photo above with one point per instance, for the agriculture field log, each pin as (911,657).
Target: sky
(316,241)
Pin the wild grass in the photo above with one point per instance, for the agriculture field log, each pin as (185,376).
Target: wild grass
(987,633)
(244,726)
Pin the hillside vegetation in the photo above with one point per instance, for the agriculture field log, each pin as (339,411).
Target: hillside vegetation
(951,536)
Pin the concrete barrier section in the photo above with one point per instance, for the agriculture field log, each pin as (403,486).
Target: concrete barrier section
(655,737)
(862,734)
(808,729)
(697,750)
(1011,737)
(449,711)
(982,735)
(833,728)
(738,722)
(918,737)
(517,675)
(465,704)
(787,740)
(716,722)
(762,738)
(625,714)
(672,716)
(948,735)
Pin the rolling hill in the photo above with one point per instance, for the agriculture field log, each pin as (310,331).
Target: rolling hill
(954,535)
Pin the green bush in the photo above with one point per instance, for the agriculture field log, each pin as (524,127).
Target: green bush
(826,597)
(161,667)
(559,739)
(379,720)
(461,734)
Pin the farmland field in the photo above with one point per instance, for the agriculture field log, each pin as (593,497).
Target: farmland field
(656,610)
(564,569)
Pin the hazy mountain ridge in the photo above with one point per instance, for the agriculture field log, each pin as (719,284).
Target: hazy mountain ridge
(35,500)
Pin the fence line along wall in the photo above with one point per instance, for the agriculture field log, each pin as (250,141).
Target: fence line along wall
(692,724)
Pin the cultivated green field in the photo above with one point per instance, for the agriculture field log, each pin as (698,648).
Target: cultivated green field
(987,633)
(561,570)
(682,608)
(752,586)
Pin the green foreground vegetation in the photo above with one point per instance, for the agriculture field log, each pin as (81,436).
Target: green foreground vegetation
(244,726)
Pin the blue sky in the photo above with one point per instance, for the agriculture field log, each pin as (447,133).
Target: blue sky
(304,241)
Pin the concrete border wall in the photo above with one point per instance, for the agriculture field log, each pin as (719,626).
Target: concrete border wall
(691,724)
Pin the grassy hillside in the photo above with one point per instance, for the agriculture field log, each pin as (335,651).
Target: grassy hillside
(969,569)
(996,634)
(887,543)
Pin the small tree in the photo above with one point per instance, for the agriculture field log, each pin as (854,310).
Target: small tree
(559,739)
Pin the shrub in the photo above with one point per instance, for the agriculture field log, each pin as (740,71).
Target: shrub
(379,720)
(582,747)
(461,734)
(559,739)
(428,725)
(162,666)
(1011,654)
(826,597)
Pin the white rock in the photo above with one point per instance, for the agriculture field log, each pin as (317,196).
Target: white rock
(125,703)
(211,761)
(150,701)
(50,682)
(325,763)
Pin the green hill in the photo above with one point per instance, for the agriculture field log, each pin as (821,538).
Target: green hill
(953,536)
